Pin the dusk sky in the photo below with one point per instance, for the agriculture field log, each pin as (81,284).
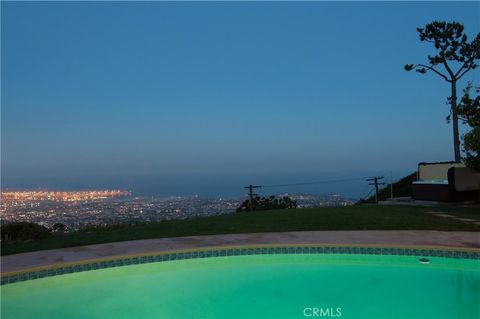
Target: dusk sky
(204,98)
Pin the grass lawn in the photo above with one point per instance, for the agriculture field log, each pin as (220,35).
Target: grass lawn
(358,217)
(461,212)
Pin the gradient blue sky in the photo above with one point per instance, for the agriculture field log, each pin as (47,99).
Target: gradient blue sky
(184,98)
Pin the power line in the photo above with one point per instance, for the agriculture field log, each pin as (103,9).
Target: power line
(251,187)
(316,182)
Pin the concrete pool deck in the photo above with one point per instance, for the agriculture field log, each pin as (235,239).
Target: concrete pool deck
(24,261)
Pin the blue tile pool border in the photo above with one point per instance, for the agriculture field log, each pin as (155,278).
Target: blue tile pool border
(55,270)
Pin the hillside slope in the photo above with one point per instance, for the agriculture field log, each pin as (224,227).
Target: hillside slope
(401,188)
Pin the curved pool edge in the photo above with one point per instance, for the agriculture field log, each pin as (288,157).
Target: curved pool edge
(404,238)
(236,250)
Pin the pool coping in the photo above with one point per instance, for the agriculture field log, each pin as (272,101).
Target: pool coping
(44,260)
(237,250)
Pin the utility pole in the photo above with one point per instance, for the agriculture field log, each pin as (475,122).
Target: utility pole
(250,195)
(376,183)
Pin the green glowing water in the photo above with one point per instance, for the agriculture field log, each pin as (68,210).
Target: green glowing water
(262,286)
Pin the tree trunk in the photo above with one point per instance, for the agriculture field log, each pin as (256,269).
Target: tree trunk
(456,138)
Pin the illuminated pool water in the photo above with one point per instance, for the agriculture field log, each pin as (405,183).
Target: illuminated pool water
(257,286)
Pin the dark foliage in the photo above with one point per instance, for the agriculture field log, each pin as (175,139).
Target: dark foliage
(268,203)
(454,56)
(469,112)
(59,228)
(451,44)
(22,231)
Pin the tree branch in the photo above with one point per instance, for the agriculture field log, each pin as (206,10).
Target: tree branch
(452,76)
(463,73)
(432,69)
(460,70)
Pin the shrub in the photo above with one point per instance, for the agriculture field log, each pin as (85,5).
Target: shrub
(268,203)
(22,231)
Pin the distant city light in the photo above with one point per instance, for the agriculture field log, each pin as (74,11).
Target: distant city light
(62,196)
(77,209)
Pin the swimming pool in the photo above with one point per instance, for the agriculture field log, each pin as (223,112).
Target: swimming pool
(298,283)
